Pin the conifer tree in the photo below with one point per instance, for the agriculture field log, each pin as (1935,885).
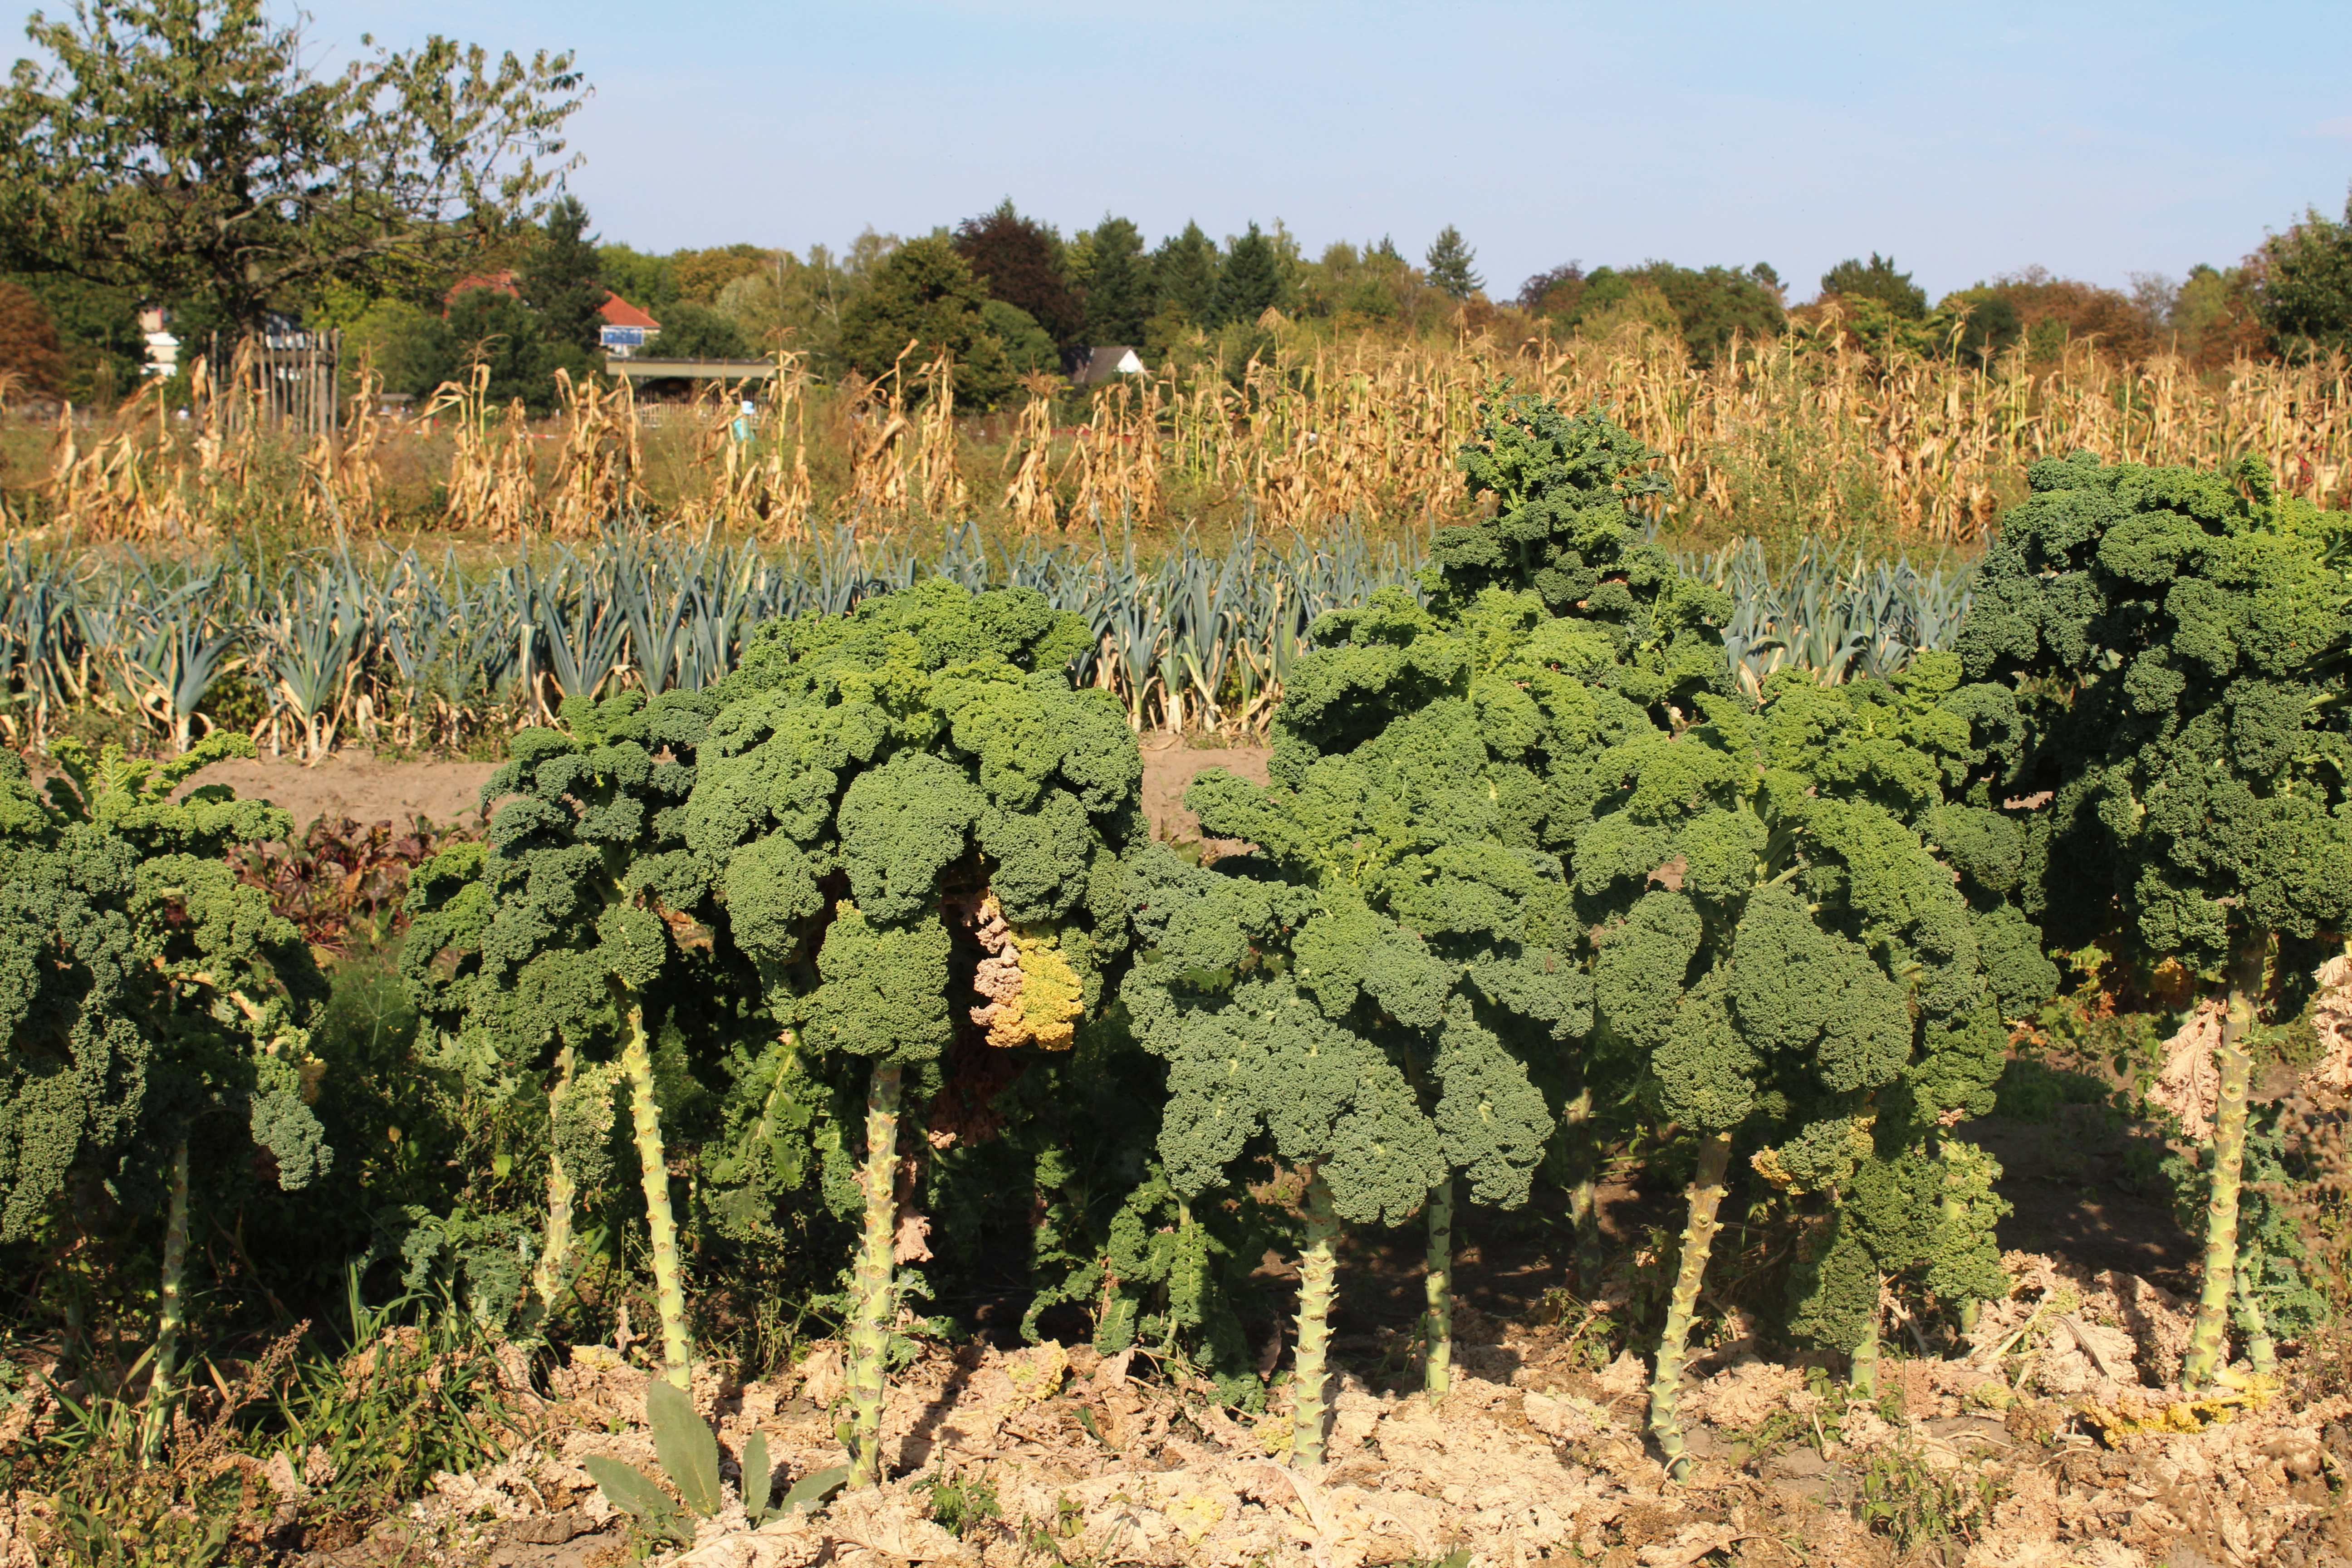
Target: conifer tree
(1184,276)
(1250,283)
(562,281)
(1449,261)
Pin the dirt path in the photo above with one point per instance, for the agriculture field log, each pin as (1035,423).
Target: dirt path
(357,784)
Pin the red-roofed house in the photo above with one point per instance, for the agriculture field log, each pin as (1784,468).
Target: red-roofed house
(626,328)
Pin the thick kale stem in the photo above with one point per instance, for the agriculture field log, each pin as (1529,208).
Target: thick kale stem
(2262,1350)
(669,1287)
(1956,1209)
(547,1276)
(1706,1197)
(1316,1265)
(1438,1283)
(174,1310)
(1863,1364)
(2208,1338)
(869,1333)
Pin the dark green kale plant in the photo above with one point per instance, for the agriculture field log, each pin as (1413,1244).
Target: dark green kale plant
(915,825)
(567,951)
(1804,943)
(151,1001)
(2175,644)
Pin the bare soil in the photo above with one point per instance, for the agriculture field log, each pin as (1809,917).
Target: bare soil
(2053,1439)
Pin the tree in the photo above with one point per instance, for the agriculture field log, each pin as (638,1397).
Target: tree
(916,825)
(1710,305)
(29,357)
(697,332)
(1026,346)
(1019,261)
(492,327)
(1250,282)
(1449,258)
(563,280)
(102,348)
(1554,290)
(2304,295)
(185,150)
(649,282)
(1878,280)
(1117,283)
(1184,274)
(925,295)
(2175,643)
(410,347)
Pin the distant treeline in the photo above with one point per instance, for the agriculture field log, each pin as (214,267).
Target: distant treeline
(1011,296)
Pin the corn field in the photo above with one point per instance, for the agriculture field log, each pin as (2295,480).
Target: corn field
(1799,436)
(380,646)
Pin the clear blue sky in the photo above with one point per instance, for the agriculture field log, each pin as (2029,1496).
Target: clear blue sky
(2097,140)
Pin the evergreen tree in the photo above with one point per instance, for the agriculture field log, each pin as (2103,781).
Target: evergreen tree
(924,294)
(1184,274)
(1118,284)
(1019,261)
(563,278)
(1250,283)
(1878,280)
(1449,260)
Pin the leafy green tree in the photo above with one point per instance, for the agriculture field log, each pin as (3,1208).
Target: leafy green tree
(409,346)
(1184,276)
(1019,260)
(1449,260)
(2304,295)
(649,282)
(492,327)
(1879,280)
(100,343)
(916,825)
(563,280)
(185,149)
(1992,326)
(1250,283)
(1710,305)
(1027,347)
(2177,644)
(1554,290)
(1117,283)
(925,295)
(697,332)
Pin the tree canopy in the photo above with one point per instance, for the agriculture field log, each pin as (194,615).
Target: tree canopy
(1018,260)
(925,295)
(187,148)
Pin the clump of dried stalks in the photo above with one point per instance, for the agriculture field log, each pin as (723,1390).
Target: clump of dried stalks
(1802,434)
